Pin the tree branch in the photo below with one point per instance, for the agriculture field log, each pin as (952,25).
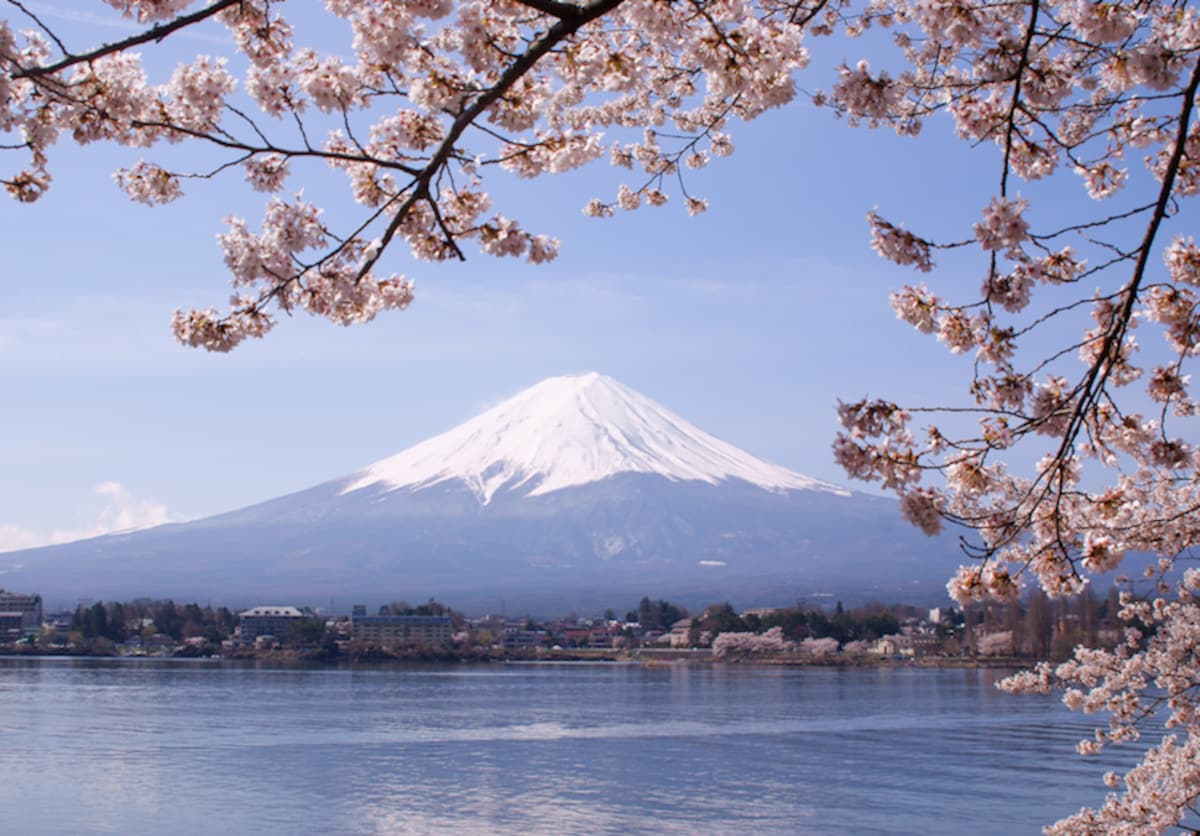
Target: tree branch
(560,31)
(154,33)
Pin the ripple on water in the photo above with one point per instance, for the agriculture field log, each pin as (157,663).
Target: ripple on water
(528,749)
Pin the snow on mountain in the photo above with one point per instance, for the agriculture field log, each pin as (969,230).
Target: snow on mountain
(570,431)
(577,493)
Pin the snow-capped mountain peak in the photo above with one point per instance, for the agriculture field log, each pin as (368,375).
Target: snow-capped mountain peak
(568,431)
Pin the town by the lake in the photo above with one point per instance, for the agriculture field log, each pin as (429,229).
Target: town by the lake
(1035,629)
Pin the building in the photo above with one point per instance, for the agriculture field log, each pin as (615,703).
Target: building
(895,646)
(683,634)
(10,626)
(29,606)
(385,630)
(268,621)
(515,639)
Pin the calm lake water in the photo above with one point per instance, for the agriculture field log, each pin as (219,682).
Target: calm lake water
(164,746)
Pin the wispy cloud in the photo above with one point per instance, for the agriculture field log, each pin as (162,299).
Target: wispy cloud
(90,331)
(113,508)
(49,11)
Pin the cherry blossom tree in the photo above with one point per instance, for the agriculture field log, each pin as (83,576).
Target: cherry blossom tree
(1070,456)
(436,95)
(737,644)
(1070,451)
(820,648)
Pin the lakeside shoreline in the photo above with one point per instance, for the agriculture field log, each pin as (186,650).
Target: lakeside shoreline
(373,657)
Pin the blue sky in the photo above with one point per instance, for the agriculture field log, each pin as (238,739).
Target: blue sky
(750,321)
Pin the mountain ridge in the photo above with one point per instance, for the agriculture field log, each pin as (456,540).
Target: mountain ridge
(589,502)
(597,428)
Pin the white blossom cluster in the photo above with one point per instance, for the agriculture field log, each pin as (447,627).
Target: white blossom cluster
(1091,88)
(751,644)
(1152,677)
(819,648)
(436,93)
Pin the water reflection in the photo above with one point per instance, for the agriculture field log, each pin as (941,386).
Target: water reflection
(155,747)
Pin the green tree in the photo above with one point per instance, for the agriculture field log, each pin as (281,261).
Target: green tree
(91,622)
(819,625)
(117,616)
(658,615)
(880,624)
(307,631)
(721,618)
(168,621)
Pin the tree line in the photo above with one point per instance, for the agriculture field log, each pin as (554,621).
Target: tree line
(1035,627)
(120,621)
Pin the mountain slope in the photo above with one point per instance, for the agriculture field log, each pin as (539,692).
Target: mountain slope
(568,431)
(577,492)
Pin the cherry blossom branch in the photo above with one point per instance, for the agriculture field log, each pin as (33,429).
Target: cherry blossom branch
(156,34)
(268,147)
(1099,373)
(566,26)
(1018,73)
(49,32)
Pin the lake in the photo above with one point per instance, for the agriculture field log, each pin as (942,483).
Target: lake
(183,746)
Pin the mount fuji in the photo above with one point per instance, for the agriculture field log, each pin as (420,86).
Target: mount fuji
(570,431)
(575,493)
